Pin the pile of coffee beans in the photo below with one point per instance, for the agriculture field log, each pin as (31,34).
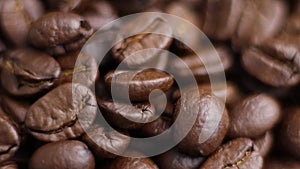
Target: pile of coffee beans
(51,99)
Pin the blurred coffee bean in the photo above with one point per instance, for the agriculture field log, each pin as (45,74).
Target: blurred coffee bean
(2,47)
(260,19)
(61,155)
(156,127)
(105,143)
(132,6)
(127,116)
(63,113)
(9,165)
(289,132)
(238,153)
(202,139)
(137,84)
(27,72)
(16,17)
(10,139)
(253,116)
(59,32)
(281,162)
(274,62)
(68,5)
(77,68)
(130,163)
(264,143)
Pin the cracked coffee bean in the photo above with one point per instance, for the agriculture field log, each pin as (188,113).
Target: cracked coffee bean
(63,113)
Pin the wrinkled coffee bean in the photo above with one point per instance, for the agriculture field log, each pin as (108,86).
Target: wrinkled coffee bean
(289,132)
(16,109)
(253,116)
(127,116)
(130,163)
(105,143)
(77,68)
(26,72)
(264,143)
(10,139)
(202,139)
(61,155)
(281,163)
(68,5)
(139,84)
(63,113)
(16,17)
(9,165)
(59,32)
(239,153)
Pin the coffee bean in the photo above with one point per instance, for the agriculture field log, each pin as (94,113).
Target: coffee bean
(202,139)
(59,32)
(253,116)
(16,109)
(281,163)
(9,165)
(63,154)
(10,139)
(127,116)
(77,68)
(130,163)
(173,159)
(26,72)
(156,127)
(264,143)
(289,132)
(238,153)
(105,143)
(63,113)
(132,6)
(16,17)
(68,5)
(139,84)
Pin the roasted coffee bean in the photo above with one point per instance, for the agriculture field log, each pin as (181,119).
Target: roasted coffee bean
(138,84)
(239,153)
(105,143)
(130,163)
(26,72)
(63,113)
(61,155)
(154,35)
(131,6)
(289,132)
(264,143)
(281,163)
(16,109)
(10,139)
(59,32)
(127,116)
(156,127)
(9,165)
(173,159)
(260,19)
(16,17)
(68,5)
(253,116)
(222,18)
(77,68)
(202,139)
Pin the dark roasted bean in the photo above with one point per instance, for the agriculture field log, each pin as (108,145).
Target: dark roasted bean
(130,163)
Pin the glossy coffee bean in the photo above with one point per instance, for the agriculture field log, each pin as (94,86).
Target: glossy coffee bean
(278,59)
(16,17)
(239,153)
(126,116)
(156,127)
(9,165)
(281,163)
(264,143)
(289,132)
(59,32)
(61,155)
(26,72)
(10,139)
(16,109)
(77,68)
(173,159)
(105,143)
(138,84)
(68,5)
(202,139)
(130,163)
(253,116)
(63,113)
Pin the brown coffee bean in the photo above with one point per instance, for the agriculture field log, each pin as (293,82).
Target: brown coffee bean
(202,139)
(279,60)
(127,116)
(16,17)
(289,132)
(139,84)
(61,155)
(68,5)
(62,113)
(156,127)
(264,143)
(253,116)
(132,6)
(239,153)
(77,68)
(9,165)
(130,163)
(27,72)
(59,32)
(105,143)
(281,163)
